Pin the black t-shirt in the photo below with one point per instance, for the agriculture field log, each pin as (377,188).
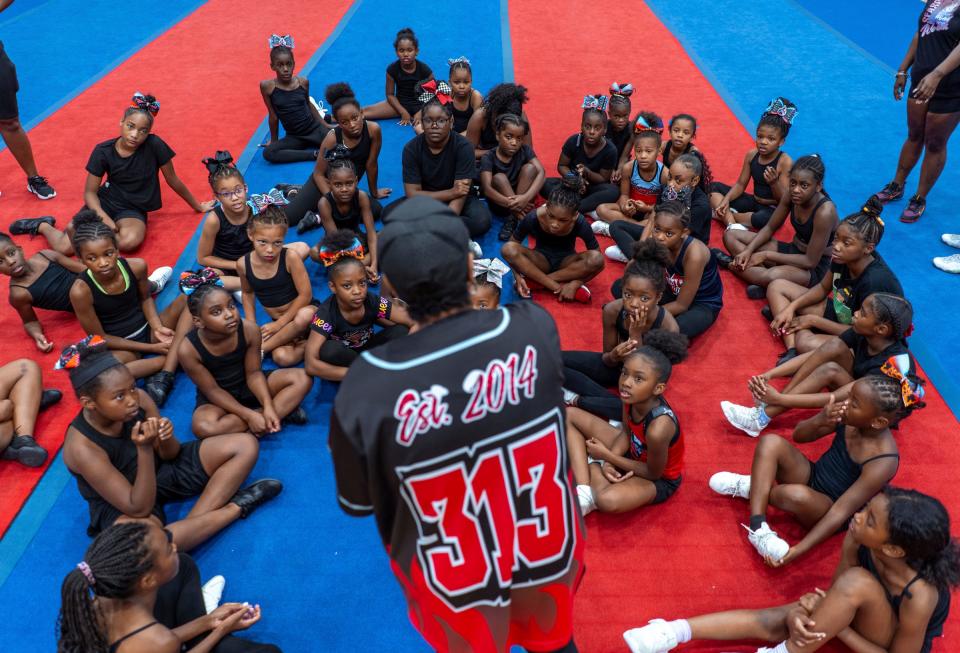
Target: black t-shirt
(619,138)
(605,159)
(406,90)
(700,213)
(492,163)
(530,226)
(454,440)
(938,35)
(864,362)
(848,293)
(436,172)
(330,322)
(132,181)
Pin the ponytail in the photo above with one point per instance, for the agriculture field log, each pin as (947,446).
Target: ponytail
(867,221)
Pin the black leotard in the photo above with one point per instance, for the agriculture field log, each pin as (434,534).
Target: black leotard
(116,645)
(278,290)
(461,118)
(351,220)
(622,328)
(51,290)
(360,152)
(804,230)
(120,315)
(761,188)
(228,369)
(835,471)
(231,241)
(293,110)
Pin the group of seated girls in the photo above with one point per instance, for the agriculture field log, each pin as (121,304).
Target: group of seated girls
(838,308)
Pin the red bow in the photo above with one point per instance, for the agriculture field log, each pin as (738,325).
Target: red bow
(442,92)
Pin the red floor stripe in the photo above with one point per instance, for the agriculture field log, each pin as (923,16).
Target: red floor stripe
(690,555)
(205,72)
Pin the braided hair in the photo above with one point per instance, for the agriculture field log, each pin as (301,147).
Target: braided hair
(813,164)
(677,208)
(270,216)
(196,298)
(459,64)
(696,162)
(89,227)
(566,194)
(340,95)
(512,119)
(406,34)
(889,397)
(650,261)
(117,559)
(663,349)
(896,311)
(867,222)
(920,525)
(220,167)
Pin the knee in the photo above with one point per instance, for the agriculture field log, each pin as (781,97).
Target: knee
(127,242)
(935,144)
(8,125)
(607,502)
(853,583)
(27,367)
(777,287)
(511,251)
(594,260)
(270,153)
(283,356)
(303,381)
(831,372)
(304,317)
(790,497)
(767,444)
(245,446)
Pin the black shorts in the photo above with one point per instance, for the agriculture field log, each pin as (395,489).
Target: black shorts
(816,274)
(554,257)
(9,85)
(118,211)
(665,488)
(940,103)
(144,335)
(242,394)
(181,478)
(746,203)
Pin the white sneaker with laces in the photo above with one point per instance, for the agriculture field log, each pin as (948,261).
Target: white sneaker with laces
(655,637)
(731,485)
(601,228)
(212,590)
(951,239)
(160,277)
(744,418)
(613,253)
(587,503)
(767,543)
(948,263)
(476,249)
(569,397)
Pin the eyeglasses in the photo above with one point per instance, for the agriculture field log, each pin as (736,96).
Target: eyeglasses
(439,122)
(230,194)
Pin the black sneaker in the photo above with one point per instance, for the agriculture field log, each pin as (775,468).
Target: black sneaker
(890,193)
(40,187)
(297,417)
(722,258)
(309,221)
(158,386)
(756,292)
(49,398)
(788,355)
(289,190)
(30,226)
(256,494)
(767,313)
(25,450)
(509,226)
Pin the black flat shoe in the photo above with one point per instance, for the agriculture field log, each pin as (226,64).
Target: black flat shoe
(158,386)
(756,292)
(25,450)
(256,494)
(788,355)
(49,398)
(30,226)
(767,313)
(297,417)
(289,190)
(309,222)
(722,258)
(509,226)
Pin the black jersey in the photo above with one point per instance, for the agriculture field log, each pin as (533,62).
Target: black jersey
(460,453)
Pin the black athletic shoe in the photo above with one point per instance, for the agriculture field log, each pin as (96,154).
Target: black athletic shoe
(509,225)
(309,221)
(723,259)
(289,190)
(297,417)
(30,226)
(159,386)
(25,450)
(49,398)
(788,355)
(767,313)
(256,494)
(756,292)
(40,187)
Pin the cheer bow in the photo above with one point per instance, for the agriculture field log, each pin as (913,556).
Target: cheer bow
(778,108)
(190,281)
(260,201)
(643,126)
(898,368)
(330,255)
(598,102)
(452,62)
(438,89)
(336,153)
(490,270)
(222,159)
(70,357)
(146,103)
(626,90)
(276,41)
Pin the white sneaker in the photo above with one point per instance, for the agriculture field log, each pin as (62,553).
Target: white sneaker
(476,249)
(212,590)
(160,277)
(569,397)
(655,637)
(591,214)
(730,484)
(744,418)
(613,253)
(238,297)
(767,543)
(601,228)
(951,239)
(585,495)
(318,105)
(948,263)
(736,226)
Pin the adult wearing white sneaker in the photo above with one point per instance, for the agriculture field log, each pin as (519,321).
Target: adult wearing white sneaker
(949,263)
(822,495)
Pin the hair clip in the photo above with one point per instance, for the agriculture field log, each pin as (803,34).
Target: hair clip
(643,126)
(626,90)
(338,152)
(70,356)
(259,201)
(222,159)
(598,102)
(451,62)
(276,41)
(152,106)
(436,89)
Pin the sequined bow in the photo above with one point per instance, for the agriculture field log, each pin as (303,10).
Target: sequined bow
(438,89)
(330,255)
(778,108)
(190,281)
(643,126)
(222,159)
(626,90)
(491,270)
(260,201)
(70,357)
(141,102)
(598,102)
(451,62)
(898,368)
(276,40)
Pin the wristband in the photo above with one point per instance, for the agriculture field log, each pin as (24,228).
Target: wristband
(901,73)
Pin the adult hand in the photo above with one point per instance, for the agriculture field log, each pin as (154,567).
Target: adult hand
(923,91)
(381,193)
(899,84)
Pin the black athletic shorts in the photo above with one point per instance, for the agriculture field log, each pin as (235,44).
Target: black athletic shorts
(554,257)
(816,274)
(118,211)
(9,85)
(940,103)
(242,394)
(665,488)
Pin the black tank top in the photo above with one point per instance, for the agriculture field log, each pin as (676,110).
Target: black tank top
(668,158)
(351,220)
(232,241)
(804,230)
(293,110)
(710,291)
(835,471)
(51,290)
(940,612)
(619,139)
(120,315)
(761,188)
(121,451)
(278,290)
(622,327)
(461,118)
(228,369)
(116,645)
(360,152)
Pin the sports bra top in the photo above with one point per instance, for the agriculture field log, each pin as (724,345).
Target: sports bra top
(231,241)
(761,188)
(461,118)
(351,220)
(51,290)
(278,290)
(804,230)
(360,152)
(638,439)
(228,369)
(120,315)
(645,191)
(116,645)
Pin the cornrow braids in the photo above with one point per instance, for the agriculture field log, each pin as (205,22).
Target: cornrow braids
(867,222)
(89,227)
(650,261)
(676,208)
(270,216)
(889,396)
(196,298)
(460,63)
(895,311)
(566,194)
(811,163)
(512,119)
(697,162)
(116,559)
(619,99)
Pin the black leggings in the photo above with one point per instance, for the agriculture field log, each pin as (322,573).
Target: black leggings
(475,214)
(626,234)
(297,148)
(587,375)
(596,194)
(308,198)
(337,353)
(180,601)
(747,203)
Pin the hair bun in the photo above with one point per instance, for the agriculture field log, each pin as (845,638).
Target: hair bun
(337,153)
(222,159)
(872,207)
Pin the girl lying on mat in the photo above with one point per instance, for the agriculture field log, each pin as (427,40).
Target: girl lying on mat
(890,591)
(640,462)
(21,397)
(222,356)
(824,494)
(128,463)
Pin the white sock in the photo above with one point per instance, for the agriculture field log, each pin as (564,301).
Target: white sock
(681,629)
(779,648)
